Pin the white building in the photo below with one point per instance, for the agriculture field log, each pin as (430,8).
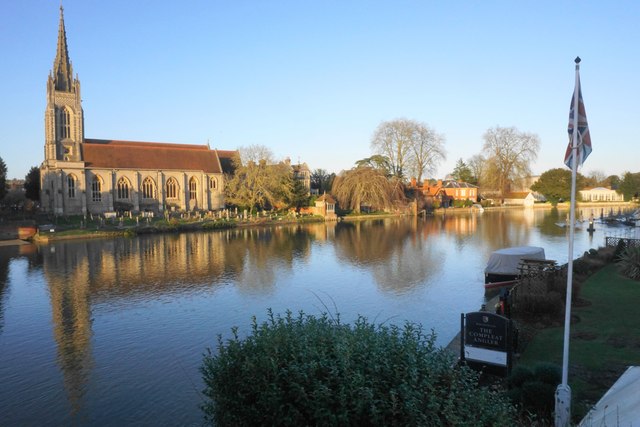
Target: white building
(600,194)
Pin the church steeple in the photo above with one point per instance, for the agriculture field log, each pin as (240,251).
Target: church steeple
(62,70)
(64,118)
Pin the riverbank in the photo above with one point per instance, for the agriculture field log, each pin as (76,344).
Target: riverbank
(604,337)
(79,227)
(604,340)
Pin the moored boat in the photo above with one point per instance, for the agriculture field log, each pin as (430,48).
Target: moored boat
(503,265)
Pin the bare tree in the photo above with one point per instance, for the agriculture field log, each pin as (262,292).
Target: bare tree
(366,186)
(427,150)
(509,154)
(477,165)
(256,153)
(596,178)
(393,140)
(409,146)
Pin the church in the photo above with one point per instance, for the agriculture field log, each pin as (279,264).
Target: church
(97,176)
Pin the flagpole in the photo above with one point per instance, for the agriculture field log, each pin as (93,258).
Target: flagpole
(563,391)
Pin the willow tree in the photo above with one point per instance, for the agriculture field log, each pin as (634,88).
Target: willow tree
(366,186)
(509,154)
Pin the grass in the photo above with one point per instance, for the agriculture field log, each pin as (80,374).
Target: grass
(604,337)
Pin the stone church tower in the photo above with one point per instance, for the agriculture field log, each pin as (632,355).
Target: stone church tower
(103,176)
(64,120)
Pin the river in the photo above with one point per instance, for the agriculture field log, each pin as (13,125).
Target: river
(112,331)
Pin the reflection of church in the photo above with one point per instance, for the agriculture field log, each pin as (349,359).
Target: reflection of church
(81,175)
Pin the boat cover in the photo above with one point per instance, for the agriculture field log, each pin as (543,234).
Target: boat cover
(620,406)
(506,261)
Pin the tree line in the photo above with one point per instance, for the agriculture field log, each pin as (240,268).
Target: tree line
(401,150)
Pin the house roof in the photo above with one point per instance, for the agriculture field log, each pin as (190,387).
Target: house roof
(457,184)
(598,189)
(326,198)
(110,154)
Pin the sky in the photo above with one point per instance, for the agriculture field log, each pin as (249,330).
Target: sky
(311,80)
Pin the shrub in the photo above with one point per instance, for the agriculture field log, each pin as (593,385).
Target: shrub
(533,389)
(306,370)
(629,263)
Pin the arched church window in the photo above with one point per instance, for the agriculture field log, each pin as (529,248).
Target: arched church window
(172,188)
(71,186)
(148,189)
(193,188)
(96,189)
(123,188)
(213,183)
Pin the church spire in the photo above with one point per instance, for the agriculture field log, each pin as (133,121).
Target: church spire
(62,71)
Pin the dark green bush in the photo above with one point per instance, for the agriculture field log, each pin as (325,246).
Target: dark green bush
(519,375)
(306,370)
(548,373)
(533,388)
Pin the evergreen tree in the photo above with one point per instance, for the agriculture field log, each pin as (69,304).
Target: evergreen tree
(3,179)
(299,195)
(555,185)
(630,186)
(32,184)
(463,173)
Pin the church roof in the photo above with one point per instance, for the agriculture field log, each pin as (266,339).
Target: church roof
(109,154)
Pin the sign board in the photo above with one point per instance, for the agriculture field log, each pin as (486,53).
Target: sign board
(486,341)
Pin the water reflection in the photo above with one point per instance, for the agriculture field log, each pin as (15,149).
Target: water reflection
(261,255)
(102,300)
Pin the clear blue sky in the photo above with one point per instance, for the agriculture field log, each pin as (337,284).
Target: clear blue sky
(313,79)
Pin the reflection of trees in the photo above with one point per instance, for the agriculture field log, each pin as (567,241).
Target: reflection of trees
(503,229)
(6,253)
(400,257)
(260,255)
(368,242)
(408,266)
(548,224)
(458,227)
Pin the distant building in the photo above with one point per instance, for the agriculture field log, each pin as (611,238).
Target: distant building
(600,194)
(520,198)
(445,192)
(15,184)
(80,175)
(326,207)
(301,172)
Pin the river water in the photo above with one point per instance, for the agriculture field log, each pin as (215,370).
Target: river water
(112,331)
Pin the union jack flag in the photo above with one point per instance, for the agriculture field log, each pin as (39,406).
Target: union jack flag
(584,139)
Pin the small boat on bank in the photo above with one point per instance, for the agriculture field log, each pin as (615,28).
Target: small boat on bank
(503,267)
